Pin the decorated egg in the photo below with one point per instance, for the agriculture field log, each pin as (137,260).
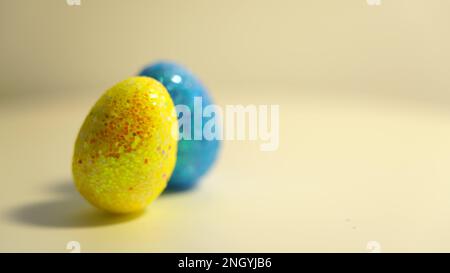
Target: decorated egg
(126,149)
(196,153)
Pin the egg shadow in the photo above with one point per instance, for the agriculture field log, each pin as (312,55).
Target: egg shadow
(169,191)
(65,187)
(69,210)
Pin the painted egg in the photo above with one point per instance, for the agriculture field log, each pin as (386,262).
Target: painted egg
(126,148)
(195,155)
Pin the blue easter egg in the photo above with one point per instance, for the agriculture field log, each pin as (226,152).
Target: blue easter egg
(194,157)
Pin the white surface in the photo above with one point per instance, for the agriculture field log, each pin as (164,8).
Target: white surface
(348,171)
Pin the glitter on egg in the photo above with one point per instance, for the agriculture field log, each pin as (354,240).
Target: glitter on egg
(195,157)
(115,166)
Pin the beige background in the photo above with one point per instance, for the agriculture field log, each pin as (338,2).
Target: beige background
(400,47)
(365,126)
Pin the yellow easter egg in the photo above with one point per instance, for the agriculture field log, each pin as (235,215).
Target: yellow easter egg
(126,148)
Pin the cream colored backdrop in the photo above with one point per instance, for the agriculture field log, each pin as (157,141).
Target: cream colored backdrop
(364,135)
(400,47)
